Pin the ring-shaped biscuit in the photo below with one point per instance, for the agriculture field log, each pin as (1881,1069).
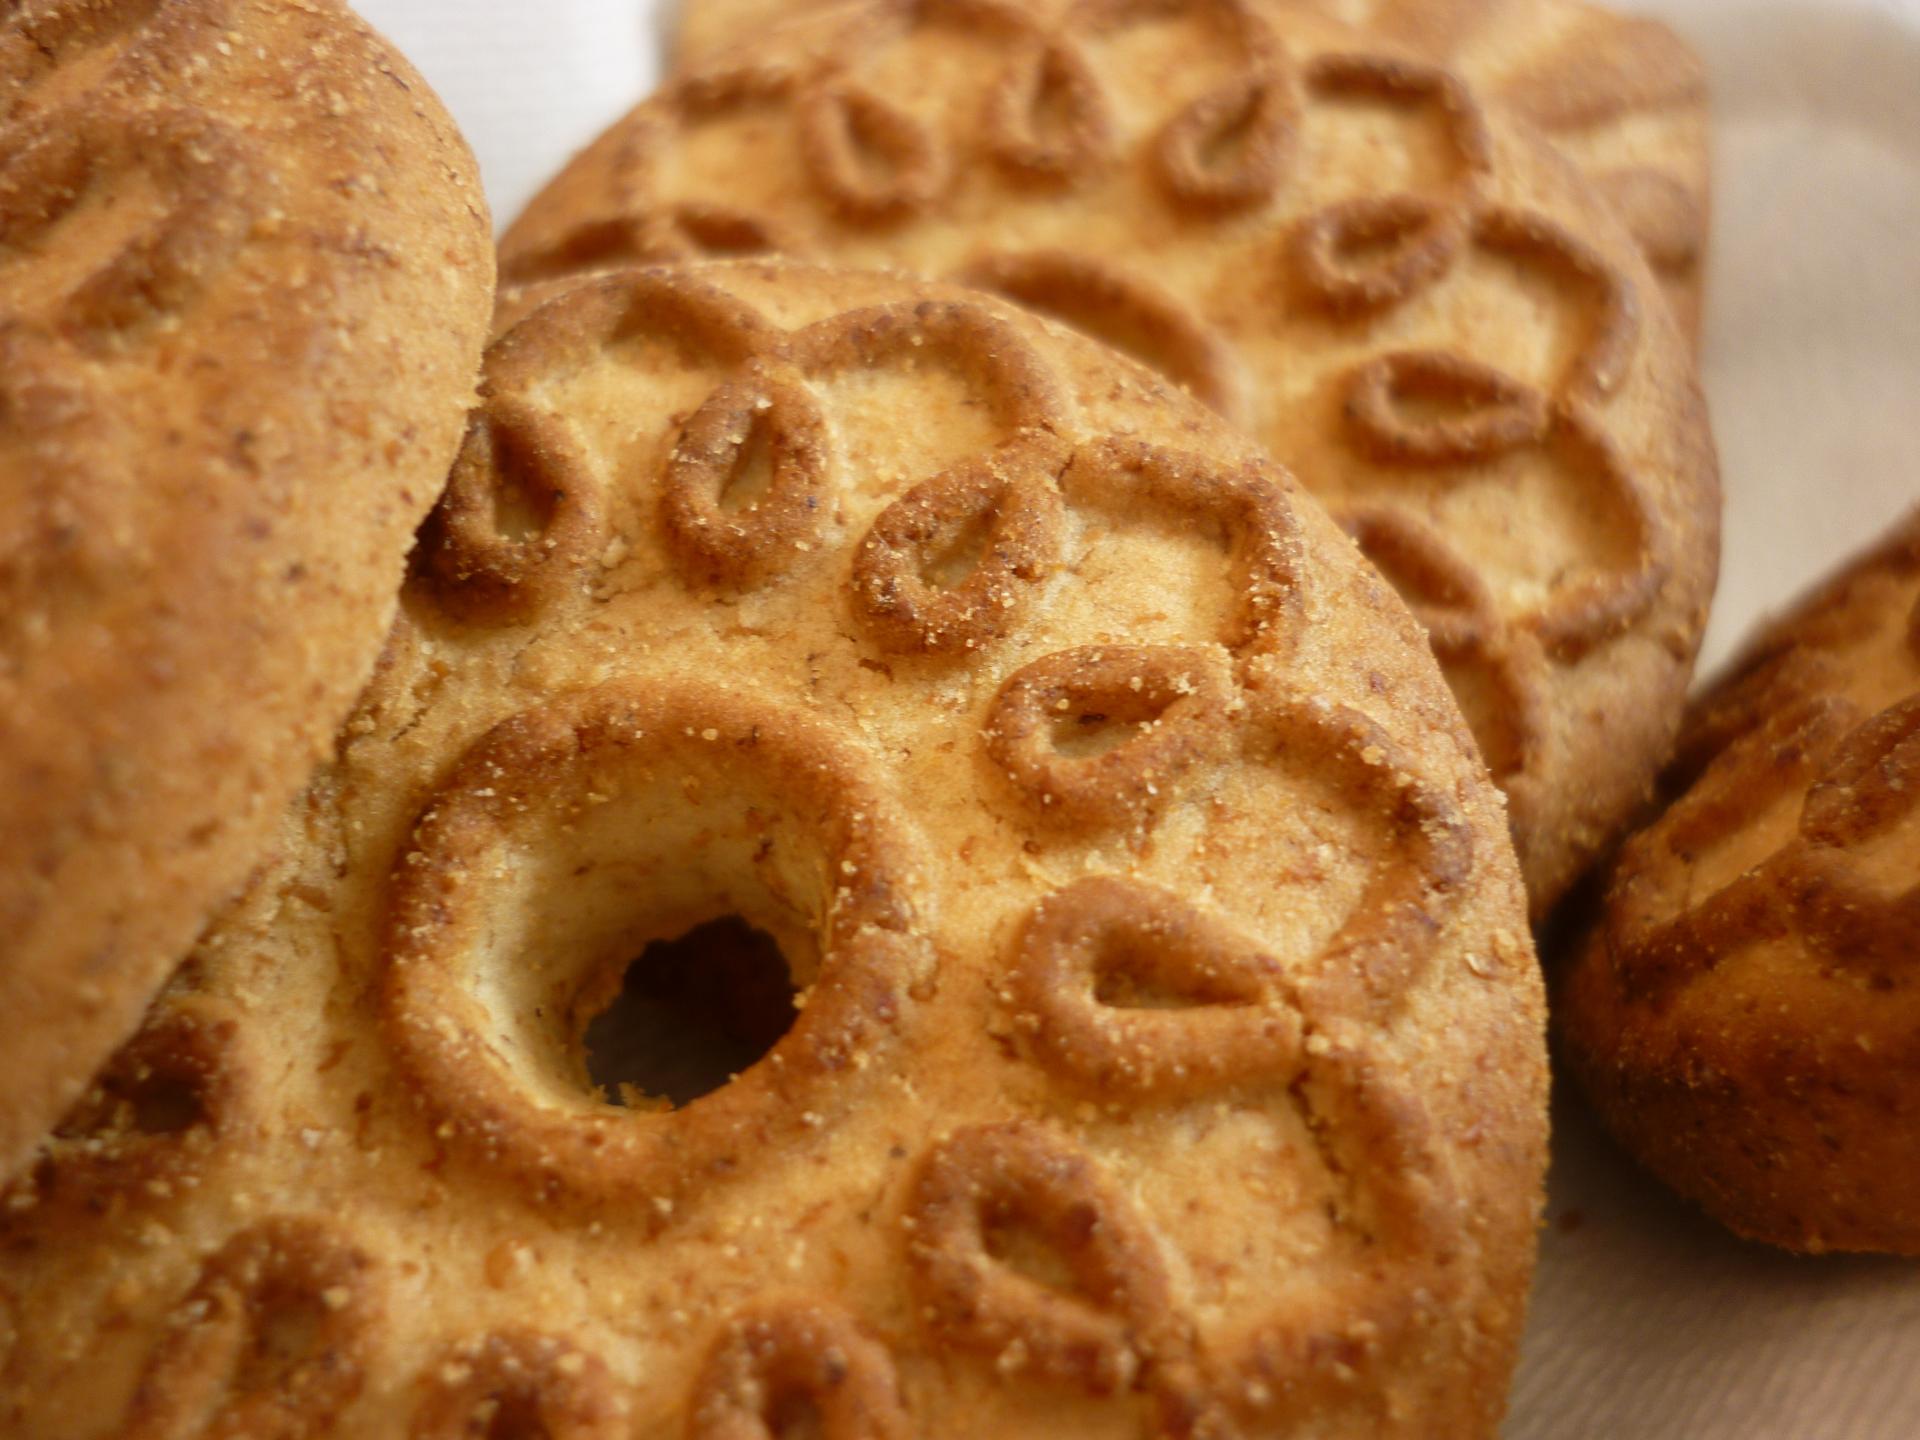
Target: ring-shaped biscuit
(581,752)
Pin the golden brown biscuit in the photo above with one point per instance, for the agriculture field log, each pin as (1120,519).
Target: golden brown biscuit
(244,275)
(1167,1052)
(1622,95)
(1747,1017)
(1417,307)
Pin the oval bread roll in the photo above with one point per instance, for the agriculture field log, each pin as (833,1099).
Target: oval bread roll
(245,272)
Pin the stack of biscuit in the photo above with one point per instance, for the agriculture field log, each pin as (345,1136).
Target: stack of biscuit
(902,792)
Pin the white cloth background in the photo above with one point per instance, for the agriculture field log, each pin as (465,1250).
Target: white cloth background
(1649,1323)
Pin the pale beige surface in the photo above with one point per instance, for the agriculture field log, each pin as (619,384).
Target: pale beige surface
(244,277)
(384,1041)
(1371,249)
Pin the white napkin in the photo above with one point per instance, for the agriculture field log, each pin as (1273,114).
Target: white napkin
(1649,1323)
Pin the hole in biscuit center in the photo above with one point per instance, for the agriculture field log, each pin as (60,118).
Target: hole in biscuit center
(691,1013)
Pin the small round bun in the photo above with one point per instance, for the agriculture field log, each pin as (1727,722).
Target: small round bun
(1155,1043)
(1349,253)
(245,274)
(1747,1017)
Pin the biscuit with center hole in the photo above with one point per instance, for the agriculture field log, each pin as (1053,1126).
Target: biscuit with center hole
(896,878)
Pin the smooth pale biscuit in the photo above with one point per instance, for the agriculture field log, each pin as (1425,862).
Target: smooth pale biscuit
(1621,95)
(1746,1017)
(1170,1055)
(244,282)
(1418,308)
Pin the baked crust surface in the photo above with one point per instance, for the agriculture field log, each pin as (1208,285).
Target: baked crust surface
(1419,309)
(1747,1017)
(1623,96)
(1171,1054)
(245,274)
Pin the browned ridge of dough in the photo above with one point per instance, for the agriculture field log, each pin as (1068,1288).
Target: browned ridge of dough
(1621,95)
(1169,1058)
(1746,1016)
(1415,306)
(245,276)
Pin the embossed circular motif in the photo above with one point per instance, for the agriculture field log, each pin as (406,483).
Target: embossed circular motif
(536,772)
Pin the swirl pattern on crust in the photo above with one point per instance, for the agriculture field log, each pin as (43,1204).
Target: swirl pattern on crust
(1745,1014)
(1163,1053)
(1347,251)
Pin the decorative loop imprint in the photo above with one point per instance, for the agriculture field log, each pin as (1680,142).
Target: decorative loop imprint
(1170,703)
(271,1344)
(520,517)
(985,1192)
(1430,407)
(1210,1008)
(724,528)
(784,1362)
(1048,121)
(875,163)
(949,566)
(1249,505)
(162,1107)
(1127,312)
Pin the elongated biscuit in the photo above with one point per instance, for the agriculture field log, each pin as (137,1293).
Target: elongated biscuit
(1167,1055)
(1412,303)
(1747,1017)
(244,280)
(1621,95)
